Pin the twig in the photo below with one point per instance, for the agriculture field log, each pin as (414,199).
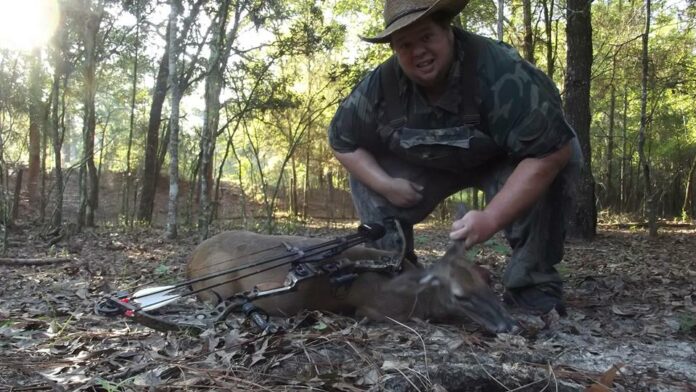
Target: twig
(408,379)
(30,262)
(425,351)
(486,371)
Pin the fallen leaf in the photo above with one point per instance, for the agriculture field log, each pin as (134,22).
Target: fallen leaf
(607,379)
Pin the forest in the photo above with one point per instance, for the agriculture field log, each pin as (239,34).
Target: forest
(131,130)
(214,98)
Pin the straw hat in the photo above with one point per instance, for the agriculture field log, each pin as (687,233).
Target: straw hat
(401,13)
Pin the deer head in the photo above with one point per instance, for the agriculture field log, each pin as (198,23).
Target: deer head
(458,289)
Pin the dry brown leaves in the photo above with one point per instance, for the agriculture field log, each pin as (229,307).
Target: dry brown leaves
(631,327)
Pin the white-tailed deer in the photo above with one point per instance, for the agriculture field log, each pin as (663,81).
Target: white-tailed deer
(449,290)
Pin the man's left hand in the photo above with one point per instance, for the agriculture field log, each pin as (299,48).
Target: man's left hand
(473,228)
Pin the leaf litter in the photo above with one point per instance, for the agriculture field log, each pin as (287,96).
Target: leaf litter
(631,327)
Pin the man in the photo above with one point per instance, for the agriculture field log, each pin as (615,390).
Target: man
(451,110)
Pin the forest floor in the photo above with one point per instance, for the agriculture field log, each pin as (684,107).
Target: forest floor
(631,325)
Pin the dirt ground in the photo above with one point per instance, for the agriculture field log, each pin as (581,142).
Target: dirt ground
(631,325)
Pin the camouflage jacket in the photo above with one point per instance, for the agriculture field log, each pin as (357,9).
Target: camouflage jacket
(496,104)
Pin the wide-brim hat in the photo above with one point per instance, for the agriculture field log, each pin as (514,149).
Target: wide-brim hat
(401,13)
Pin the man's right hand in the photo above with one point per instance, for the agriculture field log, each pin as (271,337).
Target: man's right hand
(401,192)
(363,165)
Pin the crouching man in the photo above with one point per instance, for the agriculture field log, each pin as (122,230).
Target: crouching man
(451,110)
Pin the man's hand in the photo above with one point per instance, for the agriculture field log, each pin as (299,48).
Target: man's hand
(401,192)
(523,188)
(473,228)
(398,191)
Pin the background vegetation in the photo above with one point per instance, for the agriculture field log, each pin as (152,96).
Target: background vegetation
(221,107)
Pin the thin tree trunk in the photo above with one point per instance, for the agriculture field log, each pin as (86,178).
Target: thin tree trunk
(44,156)
(240,178)
(688,205)
(268,206)
(501,18)
(91,29)
(16,196)
(175,99)
(150,173)
(548,29)
(57,142)
(126,212)
(624,156)
(305,186)
(35,121)
(528,47)
(577,108)
(218,179)
(294,203)
(648,197)
(213,87)
(610,200)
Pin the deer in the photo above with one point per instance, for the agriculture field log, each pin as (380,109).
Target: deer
(450,290)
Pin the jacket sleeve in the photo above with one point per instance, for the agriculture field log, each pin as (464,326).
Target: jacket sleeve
(357,113)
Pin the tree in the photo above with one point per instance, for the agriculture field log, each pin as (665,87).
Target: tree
(90,30)
(528,46)
(59,73)
(36,109)
(150,173)
(648,194)
(577,109)
(129,177)
(174,100)
(217,60)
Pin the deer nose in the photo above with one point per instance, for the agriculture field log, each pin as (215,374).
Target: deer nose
(508,326)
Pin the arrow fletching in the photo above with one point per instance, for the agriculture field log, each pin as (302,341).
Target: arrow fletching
(154,297)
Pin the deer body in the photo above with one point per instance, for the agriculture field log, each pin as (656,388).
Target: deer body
(434,293)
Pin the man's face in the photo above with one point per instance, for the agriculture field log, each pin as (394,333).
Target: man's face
(425,52)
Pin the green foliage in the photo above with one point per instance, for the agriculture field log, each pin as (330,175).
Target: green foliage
(671,131)
(293,61)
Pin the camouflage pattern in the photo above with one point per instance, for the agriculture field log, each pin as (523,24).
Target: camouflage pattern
(520,108)
(474,136)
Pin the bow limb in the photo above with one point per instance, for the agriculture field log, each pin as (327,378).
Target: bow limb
(117,305)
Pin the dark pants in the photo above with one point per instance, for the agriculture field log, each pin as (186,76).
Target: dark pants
(536,238)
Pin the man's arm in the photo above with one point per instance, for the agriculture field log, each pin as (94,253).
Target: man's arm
(523,188)
(362,164)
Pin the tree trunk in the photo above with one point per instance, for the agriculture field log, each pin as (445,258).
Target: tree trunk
(528,47)
(305,185)
(577,108)
(501,18)
(688,205)
(44,156)
(126,212)
(649,198)
(57,142)
(548,28)
(218,179)
(91,29)
(609,181)
(624,156)
(16,197)
(213,86)
(175,99)
(151,167)
(35,122)
(240,178)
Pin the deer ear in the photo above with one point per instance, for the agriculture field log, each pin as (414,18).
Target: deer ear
(456,254)
(412,281)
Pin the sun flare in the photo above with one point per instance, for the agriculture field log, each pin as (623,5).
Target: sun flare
(27,24)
